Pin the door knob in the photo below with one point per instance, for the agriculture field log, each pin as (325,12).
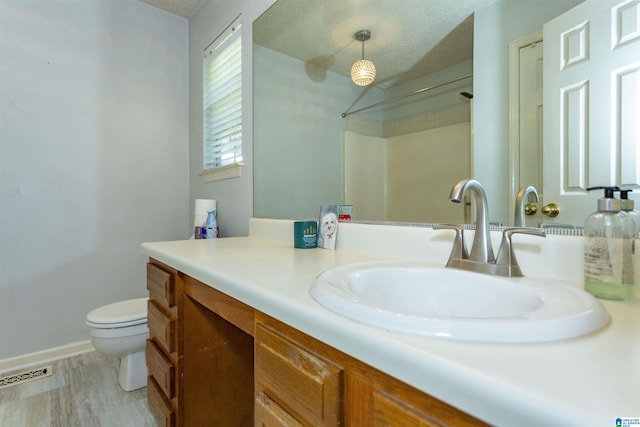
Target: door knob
(530,209)
(551,210)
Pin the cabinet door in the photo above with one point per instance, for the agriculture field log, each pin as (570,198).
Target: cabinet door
(374,399)
(391,411)
(310,385)
(270,414)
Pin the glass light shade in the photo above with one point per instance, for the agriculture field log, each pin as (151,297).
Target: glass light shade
(363,72)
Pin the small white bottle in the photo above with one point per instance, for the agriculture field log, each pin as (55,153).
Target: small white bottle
(608,257)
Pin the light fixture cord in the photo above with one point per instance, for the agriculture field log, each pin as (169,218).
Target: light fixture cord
(363,48)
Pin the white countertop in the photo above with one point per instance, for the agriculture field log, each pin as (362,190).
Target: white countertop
(587,381)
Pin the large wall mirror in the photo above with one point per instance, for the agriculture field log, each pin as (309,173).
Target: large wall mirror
(321,139)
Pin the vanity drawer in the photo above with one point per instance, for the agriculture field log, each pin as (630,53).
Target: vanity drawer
(160,369)
(309,384)
(162,326)
(160,408)
(160,284)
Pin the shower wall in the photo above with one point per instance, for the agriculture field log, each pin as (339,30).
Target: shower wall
(407,174)
(365,175)
(423,167)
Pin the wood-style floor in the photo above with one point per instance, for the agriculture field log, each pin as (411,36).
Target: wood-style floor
(83,391)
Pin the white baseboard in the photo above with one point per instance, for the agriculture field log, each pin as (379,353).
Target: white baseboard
(44,356)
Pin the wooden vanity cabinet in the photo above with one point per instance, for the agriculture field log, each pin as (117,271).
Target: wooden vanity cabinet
(214,361)
(162,346)
(301,381)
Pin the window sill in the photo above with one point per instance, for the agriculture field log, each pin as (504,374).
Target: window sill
(222,172)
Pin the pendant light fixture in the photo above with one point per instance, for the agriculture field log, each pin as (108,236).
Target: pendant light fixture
(363,72)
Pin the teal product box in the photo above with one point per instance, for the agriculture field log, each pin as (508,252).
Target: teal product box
(305,234)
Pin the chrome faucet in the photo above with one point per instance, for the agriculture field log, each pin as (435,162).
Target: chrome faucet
(481,259)
(481,251)
(525,195)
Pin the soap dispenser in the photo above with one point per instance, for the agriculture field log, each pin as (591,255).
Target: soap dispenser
(627,206)
(608,260)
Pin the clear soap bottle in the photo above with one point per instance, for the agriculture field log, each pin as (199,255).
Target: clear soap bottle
(608,249)
(627,206)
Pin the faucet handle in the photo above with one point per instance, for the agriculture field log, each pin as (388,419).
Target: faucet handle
(506,255)
(459,250)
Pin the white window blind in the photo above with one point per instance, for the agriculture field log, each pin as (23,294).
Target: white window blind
(222,97)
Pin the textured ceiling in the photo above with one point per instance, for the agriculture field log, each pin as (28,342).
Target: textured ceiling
(184,8)
(409,38)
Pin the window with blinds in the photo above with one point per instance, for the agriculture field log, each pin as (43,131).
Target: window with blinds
(222,95)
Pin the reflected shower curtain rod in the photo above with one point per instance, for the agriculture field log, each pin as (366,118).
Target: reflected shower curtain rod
(406,95)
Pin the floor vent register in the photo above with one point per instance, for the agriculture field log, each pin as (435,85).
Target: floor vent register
(25,376)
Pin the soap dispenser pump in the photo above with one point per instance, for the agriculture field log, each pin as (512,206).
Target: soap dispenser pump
(608,257)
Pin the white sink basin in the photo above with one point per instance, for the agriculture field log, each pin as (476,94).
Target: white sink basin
(456,304)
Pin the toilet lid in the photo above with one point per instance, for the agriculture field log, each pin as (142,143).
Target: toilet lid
(124,313)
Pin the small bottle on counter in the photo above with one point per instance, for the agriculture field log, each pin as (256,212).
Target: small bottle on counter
(212,225)
(608,249)
(627,206)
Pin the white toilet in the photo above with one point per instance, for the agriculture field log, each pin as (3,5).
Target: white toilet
(120,330)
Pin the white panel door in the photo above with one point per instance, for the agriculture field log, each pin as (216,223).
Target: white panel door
(592,105)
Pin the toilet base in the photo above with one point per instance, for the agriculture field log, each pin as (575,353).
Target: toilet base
(133,371)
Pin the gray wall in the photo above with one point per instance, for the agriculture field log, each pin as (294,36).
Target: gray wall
(93,159)
(299,134)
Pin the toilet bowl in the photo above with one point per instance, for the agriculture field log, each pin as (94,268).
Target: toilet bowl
(120,330)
